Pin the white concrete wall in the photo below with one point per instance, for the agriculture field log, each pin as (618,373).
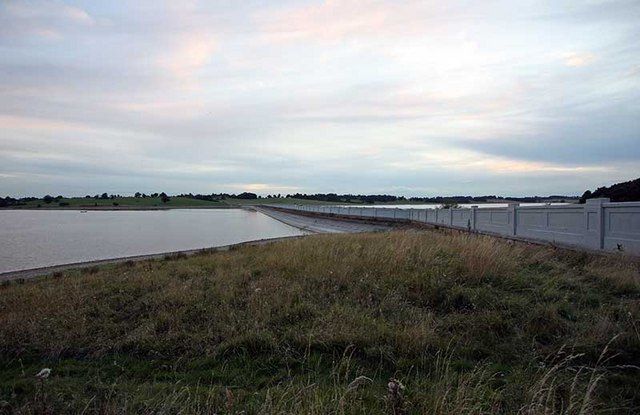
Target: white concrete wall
(431,215)
(621,223)
(558,224)
(494,220)
(461,218)
(597,225)
(443,216)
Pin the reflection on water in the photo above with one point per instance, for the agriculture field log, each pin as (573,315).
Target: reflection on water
(30,238)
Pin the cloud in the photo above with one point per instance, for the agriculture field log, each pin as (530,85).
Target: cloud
(578,59)
(330,20)
(47,11)
(47,20)
(78,15)
(17,123)
(354,96)
(263,187)
(187,55)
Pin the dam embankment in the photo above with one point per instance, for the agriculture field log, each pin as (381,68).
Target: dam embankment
(598,225)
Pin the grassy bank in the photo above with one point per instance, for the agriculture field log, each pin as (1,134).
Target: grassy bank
(156,202)
(137,202)
(465,324)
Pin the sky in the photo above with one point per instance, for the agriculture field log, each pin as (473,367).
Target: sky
(414,98)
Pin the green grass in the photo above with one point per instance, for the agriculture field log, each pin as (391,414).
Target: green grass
(468,324)
(127,202)
(79,202)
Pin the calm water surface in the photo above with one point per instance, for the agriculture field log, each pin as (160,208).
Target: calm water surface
(30,239)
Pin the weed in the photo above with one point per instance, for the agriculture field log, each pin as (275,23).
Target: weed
(401,322)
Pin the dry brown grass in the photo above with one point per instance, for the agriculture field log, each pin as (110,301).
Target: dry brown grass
(468,323)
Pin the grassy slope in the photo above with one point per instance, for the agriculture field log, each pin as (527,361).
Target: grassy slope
(174,202)
(468,324)
(127,201)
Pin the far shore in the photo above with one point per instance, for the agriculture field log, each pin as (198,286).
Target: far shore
(408,204)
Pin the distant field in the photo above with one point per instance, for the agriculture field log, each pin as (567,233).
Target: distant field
(157,202)
(467,324)
(125,201)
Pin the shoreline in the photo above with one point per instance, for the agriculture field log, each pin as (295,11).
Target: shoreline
(356,226)
(32,273)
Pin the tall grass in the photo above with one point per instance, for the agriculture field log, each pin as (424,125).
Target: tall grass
(465,323)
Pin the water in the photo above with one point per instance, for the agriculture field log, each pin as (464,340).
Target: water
(31,239)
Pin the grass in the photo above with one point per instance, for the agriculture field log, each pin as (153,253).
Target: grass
(175,201)
(463,324)
(126,202)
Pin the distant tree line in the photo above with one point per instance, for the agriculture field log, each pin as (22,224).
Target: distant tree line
(48,199)
(10,201)
(347,198)
(619,192)
(490,198)
(369,199)
(323,197)
(214,197)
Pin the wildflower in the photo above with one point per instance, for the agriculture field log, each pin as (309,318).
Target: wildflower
(395,386)
(44,373)
(394,396)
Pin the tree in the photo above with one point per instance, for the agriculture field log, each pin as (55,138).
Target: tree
(104,196)
(619,192)
(247,195)
(138,194)
(164,197)
(48,199)
(8,201)
(449,205)
(586,195)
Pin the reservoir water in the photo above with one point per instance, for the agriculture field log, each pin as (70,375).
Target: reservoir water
(32,239)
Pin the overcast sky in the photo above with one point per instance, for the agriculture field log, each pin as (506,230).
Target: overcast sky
(403,97)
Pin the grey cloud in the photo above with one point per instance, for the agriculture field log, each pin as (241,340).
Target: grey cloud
(601,137)
(303,116)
